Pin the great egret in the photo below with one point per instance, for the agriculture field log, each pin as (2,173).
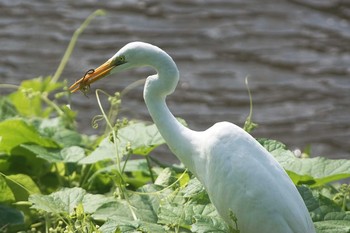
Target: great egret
(239,175)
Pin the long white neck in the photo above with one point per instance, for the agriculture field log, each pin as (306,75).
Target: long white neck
(179,138)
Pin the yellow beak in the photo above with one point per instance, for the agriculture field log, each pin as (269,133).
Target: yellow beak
(92,76)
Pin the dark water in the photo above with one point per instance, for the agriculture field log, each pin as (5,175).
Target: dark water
(296,53)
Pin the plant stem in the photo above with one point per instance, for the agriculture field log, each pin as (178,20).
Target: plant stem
(71,44)
(52,104)
(150,168)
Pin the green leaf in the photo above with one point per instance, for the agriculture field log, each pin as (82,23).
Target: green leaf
(135,165)
(119,208)
(181,208)
(139,137)
(10,216)
(21,186)
(15,132)
(315,171)
(196,191)
(120,225)
(92,202)
(56,129)
(165,178)
(41,84)
(142,138)
(327,216)
(67,155)
(67,137)
(27,99)
(126,225)
(207,224)
(173,214)
(63,201)
(106,150)
(67,199)
(312,171)
(271,145)
(7,109)
(332,226)
(140,206)
(338,216)
(6,193)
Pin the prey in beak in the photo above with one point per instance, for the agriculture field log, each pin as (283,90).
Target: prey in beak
(91,76)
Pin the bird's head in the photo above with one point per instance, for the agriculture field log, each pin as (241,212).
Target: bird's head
(131,55)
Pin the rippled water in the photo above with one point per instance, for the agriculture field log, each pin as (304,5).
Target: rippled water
(296,53)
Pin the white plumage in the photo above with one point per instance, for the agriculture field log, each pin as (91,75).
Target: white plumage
(236,171)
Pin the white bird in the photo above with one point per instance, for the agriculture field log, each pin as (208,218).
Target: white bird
(239,175)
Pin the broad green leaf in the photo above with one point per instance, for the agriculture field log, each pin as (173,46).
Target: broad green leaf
(137,206)
(116,207)
(27,99)
(14,132)
(327,216)
(181,208)
(4,163)
(139,137)
(174,210)
(136,165)
(106,150)
(146,208)
(193,209)
(7,110)
(312,171)
(142,138)
(24,161)
(63,201)
(92,202)
(332,226)
(6,193)
(206,224)
(66,200)
(271,145)
(120,225)
(72,154)
(312,203)
(193,187)
(22,186)
(57,129)
(66,137)
(10,216)
(27,103)
(165,177)
(196,192)
(41,84)
(67,155)
(155,195)
(131,226)
(174,214)
(338,216)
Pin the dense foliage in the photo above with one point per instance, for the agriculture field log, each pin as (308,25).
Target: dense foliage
(55,179)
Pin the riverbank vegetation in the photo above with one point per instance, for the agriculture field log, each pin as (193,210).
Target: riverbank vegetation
(56,179)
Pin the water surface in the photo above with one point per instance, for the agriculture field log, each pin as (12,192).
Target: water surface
(295,52)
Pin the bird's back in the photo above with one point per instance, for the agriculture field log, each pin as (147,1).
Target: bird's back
(241,176)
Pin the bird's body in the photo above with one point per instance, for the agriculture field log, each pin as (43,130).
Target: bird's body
(239,175)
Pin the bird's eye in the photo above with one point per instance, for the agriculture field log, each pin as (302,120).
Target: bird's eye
(120,60)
